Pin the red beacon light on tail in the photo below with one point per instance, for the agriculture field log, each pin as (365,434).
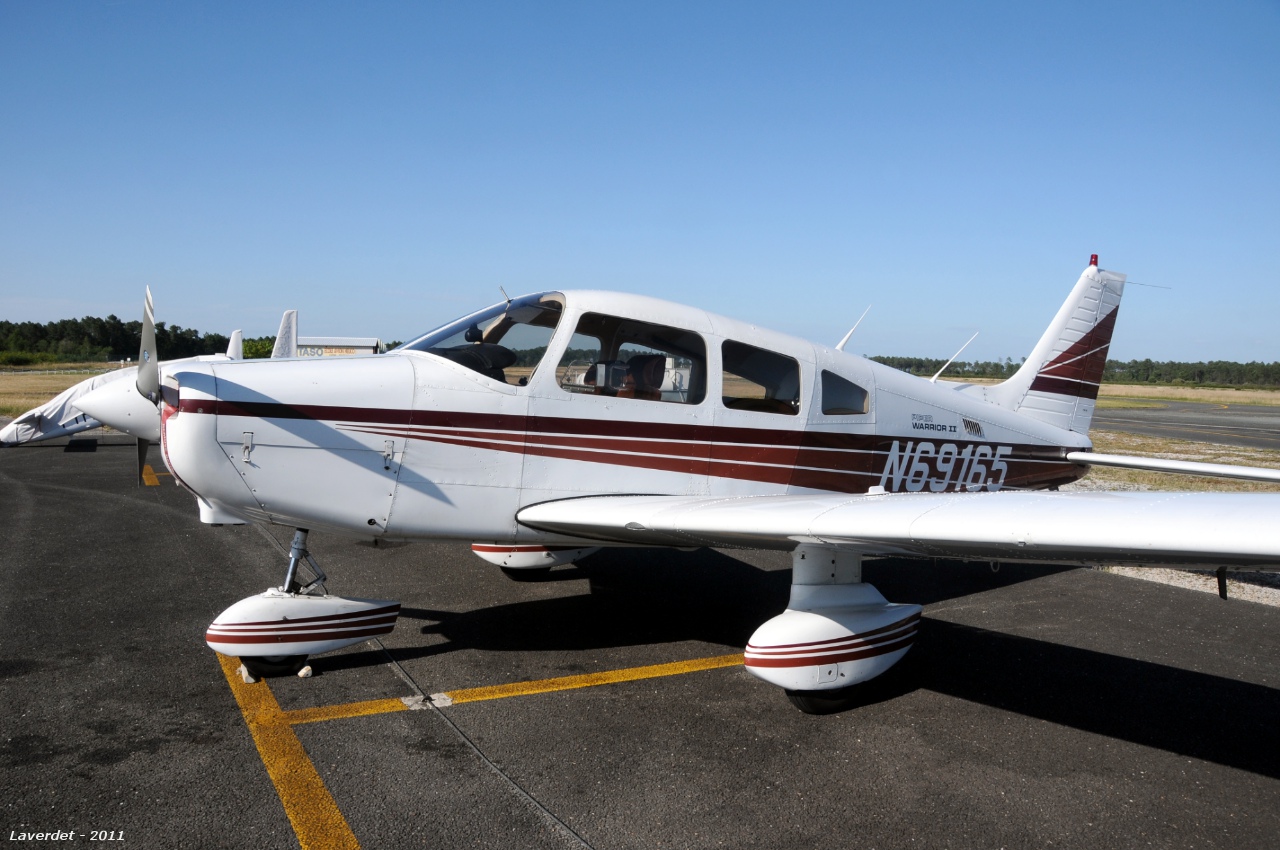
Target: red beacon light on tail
(1093,260)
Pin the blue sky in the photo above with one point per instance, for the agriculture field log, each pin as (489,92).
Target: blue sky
(386,167)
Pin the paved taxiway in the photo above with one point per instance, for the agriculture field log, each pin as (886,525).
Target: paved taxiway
(1247,425)
(1065,708)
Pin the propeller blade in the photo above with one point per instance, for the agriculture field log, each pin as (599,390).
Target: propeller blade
(143,445)
(148,363)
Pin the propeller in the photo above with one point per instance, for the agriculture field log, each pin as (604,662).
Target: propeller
(148,382)
(148,363)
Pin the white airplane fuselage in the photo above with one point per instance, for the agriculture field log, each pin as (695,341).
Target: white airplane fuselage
(413,445)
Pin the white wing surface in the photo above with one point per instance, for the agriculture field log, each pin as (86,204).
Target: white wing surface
(1147,529)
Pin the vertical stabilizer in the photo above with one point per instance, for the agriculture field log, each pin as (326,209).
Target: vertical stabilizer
(287,337)
(1059,381)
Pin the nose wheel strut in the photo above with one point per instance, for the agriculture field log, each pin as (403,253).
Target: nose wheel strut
(298,556)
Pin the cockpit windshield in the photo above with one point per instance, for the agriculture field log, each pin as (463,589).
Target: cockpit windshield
(506,342)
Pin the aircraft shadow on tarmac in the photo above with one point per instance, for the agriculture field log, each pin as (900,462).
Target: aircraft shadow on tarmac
(1193,714)
(644,597)
(639,599)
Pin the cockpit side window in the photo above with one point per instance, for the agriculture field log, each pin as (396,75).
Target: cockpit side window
(505,342)
(759,380)
(841,397)
(626,358)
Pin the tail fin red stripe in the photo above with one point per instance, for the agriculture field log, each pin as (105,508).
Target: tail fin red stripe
(1086,358)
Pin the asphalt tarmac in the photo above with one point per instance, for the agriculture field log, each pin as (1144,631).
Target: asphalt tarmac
(1245,425)
(1039,707)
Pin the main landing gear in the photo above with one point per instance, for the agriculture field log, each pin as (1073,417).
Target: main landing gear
(275,631)
(836,634)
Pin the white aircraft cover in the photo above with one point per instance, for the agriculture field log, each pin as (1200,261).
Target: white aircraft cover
(1146,529)
(59,417)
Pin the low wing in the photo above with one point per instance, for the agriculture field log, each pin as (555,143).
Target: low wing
(1169,529)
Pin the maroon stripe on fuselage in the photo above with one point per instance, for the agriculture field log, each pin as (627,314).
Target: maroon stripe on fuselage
(815,460)
(521,424)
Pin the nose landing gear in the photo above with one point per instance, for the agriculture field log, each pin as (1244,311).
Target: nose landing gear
(275,631)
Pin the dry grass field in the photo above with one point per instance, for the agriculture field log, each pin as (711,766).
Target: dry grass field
(1119,443)
(1130,403)
(1109,394)
(1209,395)
(23,389)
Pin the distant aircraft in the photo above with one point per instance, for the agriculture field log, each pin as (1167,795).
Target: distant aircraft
(60,416)
(111,399)
(681,428)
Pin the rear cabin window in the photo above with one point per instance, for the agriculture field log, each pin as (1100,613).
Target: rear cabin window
(841,397)
(625,358)
(759,380)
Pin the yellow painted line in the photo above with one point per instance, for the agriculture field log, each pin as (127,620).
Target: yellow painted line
(588,680)
(341,712)
(316,819)
(149,476)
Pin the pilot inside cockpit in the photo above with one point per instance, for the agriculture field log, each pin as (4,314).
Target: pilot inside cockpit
(626,358)
(505,342)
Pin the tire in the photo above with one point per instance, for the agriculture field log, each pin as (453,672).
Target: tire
(821,702)
(527,574)
(263,666)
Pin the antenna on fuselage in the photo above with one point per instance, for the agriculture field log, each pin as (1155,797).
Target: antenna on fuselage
(505,295)
(953,357)
(840,347)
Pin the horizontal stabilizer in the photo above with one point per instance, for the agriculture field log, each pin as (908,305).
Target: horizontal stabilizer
(1182,467)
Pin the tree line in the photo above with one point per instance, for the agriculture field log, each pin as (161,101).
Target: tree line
(90,340)
(1219,373)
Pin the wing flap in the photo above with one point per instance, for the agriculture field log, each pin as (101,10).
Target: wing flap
(1145,529)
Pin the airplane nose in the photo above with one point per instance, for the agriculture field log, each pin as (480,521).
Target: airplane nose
(189,446)
(120,405)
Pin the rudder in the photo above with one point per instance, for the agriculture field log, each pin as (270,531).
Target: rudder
(1058,383)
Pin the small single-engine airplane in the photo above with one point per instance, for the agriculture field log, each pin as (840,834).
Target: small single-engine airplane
(550,425)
